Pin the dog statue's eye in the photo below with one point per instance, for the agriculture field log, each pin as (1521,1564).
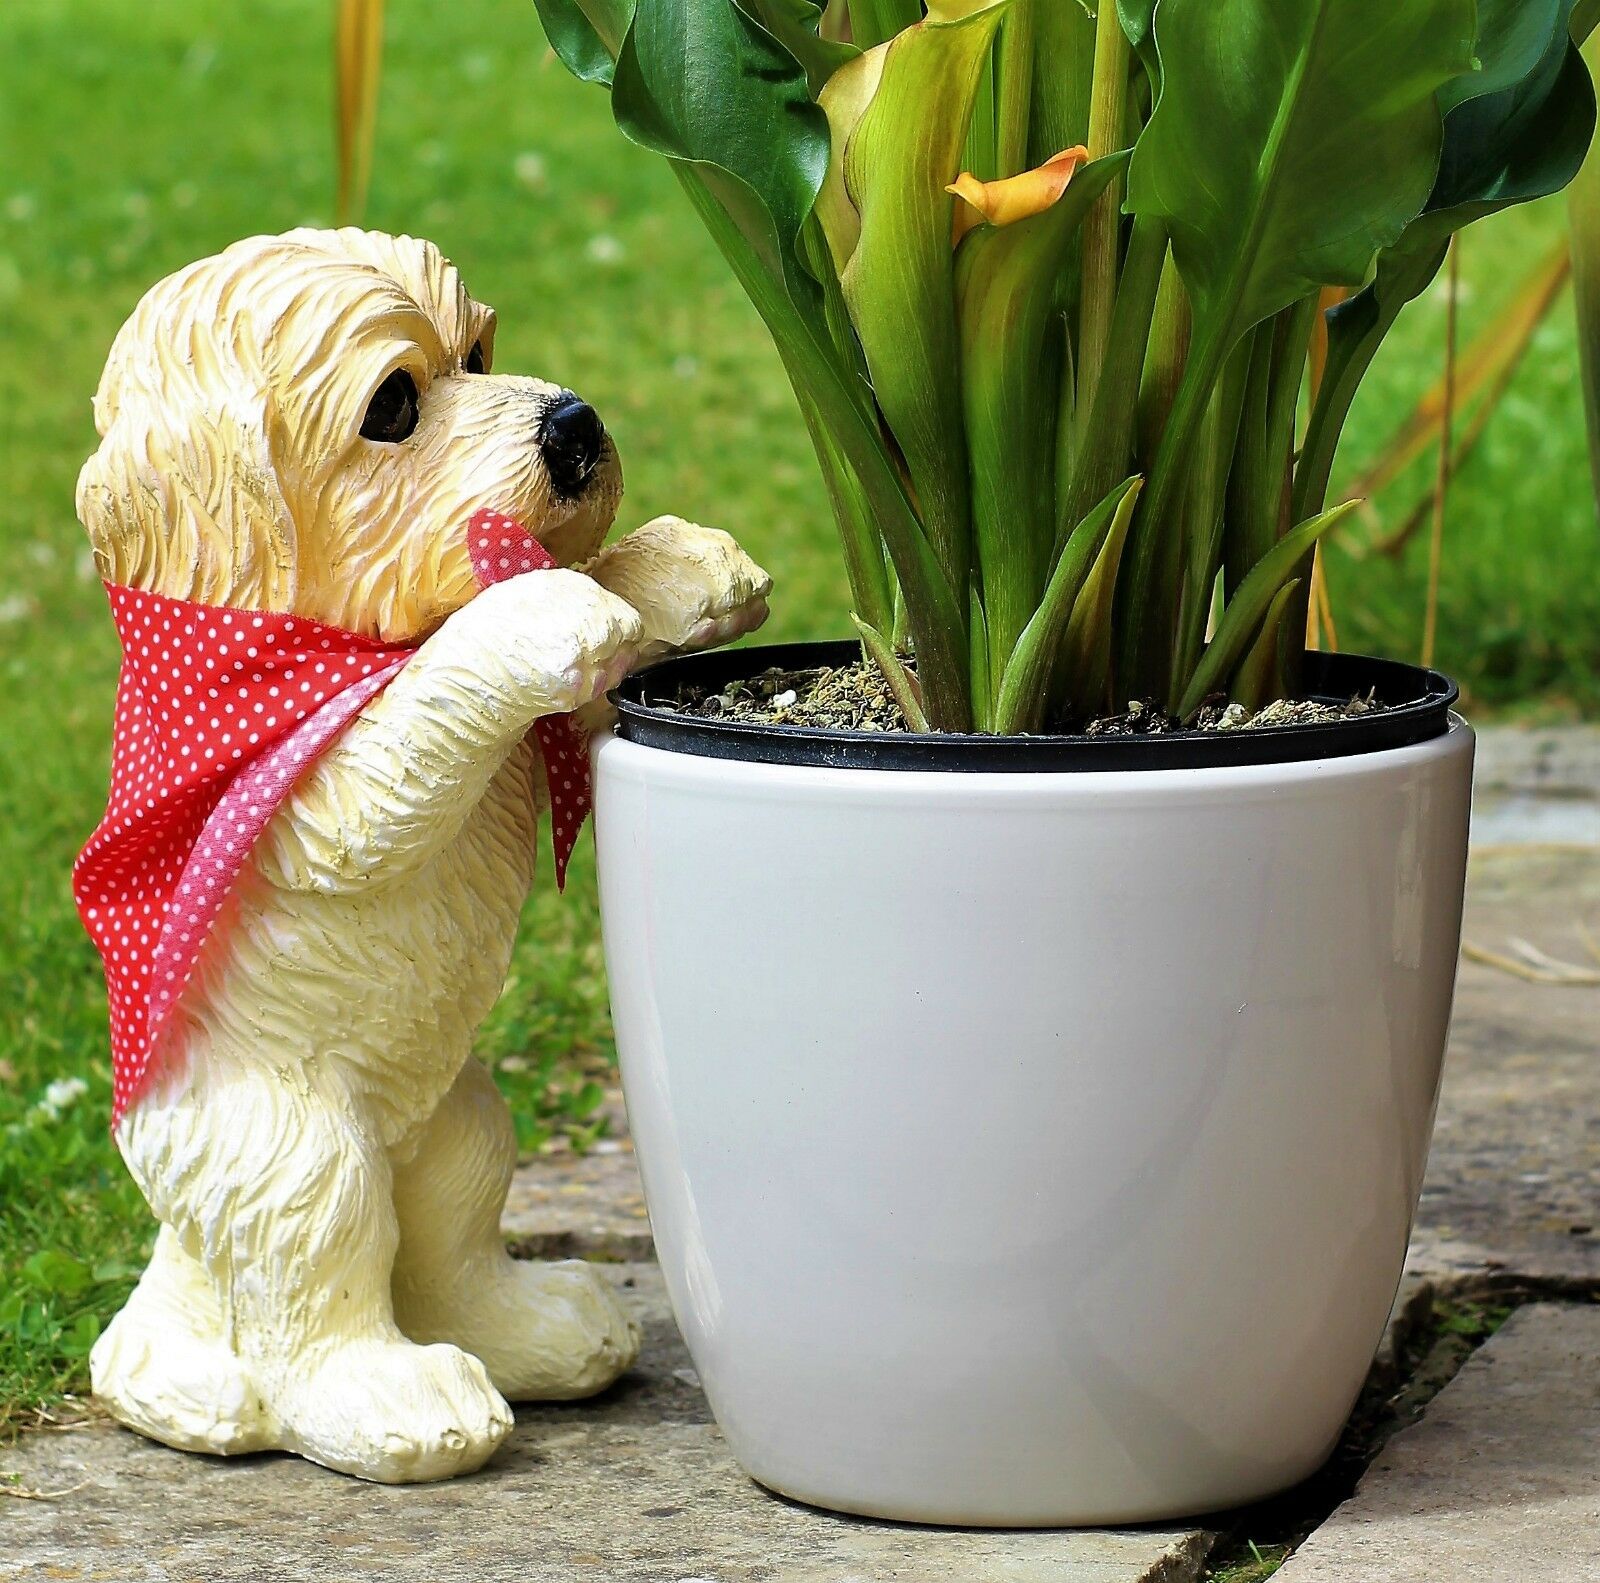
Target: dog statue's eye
(475,363)
(392,412)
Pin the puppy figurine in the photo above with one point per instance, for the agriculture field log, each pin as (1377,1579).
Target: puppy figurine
(358,578)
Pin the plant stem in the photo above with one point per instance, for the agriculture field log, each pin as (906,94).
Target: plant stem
(981,156)
(875,21)
(1105,444)
(1014,87)
(1291,341)
(1108,109)
(1291,346)
(1203,511)
(938,624)
(864,565)
(1148,598)
(1342,374)
(1583,220)
(1441,484)
(1255,480)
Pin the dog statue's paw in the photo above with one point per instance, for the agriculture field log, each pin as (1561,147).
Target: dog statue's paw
(152,1373)
(692,586)
(545,1332)
(393,1412)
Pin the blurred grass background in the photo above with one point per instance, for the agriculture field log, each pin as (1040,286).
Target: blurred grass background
(134,139)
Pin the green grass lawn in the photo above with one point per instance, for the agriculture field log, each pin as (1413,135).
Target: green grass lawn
(133,139)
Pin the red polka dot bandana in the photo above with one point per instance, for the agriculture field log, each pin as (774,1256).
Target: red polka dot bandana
(218,714)
(500,548)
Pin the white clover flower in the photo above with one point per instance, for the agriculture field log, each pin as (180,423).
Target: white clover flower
(63,1093)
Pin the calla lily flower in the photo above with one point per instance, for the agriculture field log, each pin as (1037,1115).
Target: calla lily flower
(1013,198)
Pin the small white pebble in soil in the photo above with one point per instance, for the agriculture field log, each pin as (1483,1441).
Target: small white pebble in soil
(784,699)
(1233,717)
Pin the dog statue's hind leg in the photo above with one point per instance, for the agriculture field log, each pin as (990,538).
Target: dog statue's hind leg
(545,1332)
(295,1228)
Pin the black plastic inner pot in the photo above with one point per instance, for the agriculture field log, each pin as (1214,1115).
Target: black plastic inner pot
(1418,708)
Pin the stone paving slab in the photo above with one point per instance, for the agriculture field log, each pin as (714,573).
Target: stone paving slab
(1537,785)
(581,1205)
(1512,1193)
(1498,1483)
(634,1487)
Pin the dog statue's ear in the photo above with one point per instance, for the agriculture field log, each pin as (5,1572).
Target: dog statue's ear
(187,502)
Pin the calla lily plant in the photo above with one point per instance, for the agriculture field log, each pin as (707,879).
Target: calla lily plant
(1075,304)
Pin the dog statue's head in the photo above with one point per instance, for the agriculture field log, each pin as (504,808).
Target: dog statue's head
(307,422)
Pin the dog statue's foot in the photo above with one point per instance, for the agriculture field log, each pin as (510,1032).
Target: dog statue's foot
(545,1332)
(162,1367)
(393,1412)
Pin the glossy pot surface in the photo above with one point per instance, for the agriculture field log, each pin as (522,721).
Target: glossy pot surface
(1032,1149)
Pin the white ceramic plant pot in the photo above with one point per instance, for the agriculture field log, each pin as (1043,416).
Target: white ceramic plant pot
(1032,1148)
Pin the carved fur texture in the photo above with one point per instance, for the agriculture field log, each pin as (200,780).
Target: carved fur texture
(327,1160)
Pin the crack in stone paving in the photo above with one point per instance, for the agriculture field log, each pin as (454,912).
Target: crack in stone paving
(1434,1329)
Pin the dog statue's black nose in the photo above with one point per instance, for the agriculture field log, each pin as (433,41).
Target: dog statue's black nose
(572,440)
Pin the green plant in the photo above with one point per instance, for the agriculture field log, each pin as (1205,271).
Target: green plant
(1584,209)
(1060,442)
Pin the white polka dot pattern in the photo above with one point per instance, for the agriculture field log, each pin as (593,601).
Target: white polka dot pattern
(500,547)
(218,714)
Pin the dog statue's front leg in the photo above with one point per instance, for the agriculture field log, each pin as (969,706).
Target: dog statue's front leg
(692,586)
(399,782)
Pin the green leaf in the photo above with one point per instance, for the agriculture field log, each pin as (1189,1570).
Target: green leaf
(899,281)
(902,684)
(587,1100)
(1291,141)
(79,1340)
(1083,670)
(1244,613)
(51,1270)
(980,679)
(1256,676)
(794,24)
(586,34)
(1504,147)
(843,101)
(1019,704)
(115,1270)
(703,83)
(1513,37)
(1138,22)
(1008,282)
